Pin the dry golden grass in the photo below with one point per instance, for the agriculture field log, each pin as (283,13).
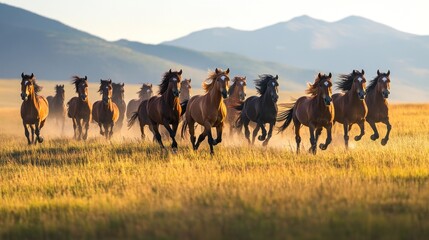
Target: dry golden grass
(127,188)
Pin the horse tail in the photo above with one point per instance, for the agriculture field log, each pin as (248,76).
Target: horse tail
(184,104)
(133,119)
(287,117)
(184,126)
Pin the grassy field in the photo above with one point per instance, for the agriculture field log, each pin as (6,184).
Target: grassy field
(127,188)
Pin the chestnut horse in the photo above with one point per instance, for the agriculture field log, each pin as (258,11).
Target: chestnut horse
(144,94)
(378,108)
(105,112)
(237,94)
(57,107)
(261,110)
(118,99)
(34,108)
(350,107)
(185,90)
(208,110)
(164,109)
(79,108)
(315,112)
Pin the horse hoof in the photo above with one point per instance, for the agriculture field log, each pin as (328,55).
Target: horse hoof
(323,146)
(174,150)
(384,141)
(357,138)
(40,139)
(265,143)
(374,137)
(261,138)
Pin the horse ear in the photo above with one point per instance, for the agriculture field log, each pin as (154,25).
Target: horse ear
(86,78)
(277,77)
(180,72)
(32,75)
(378,72)
(170,70)
(319,76)
(123,84)
(22,74)
(101,81)
(150,85)
(244,78)
(190,80)
(216,71)
(388,72)
(227,71)
(110,80)
(363,72)
(354,72)
(330,75)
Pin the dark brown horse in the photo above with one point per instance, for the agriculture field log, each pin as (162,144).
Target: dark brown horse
(144,94)
(57,107)
(261,110)
(118,99)
(315,112)
(378,108)
(350,106)
(185,90)
(164,109)
(105,112)
(208,110)
(236,96)
(79,108)
(34,108)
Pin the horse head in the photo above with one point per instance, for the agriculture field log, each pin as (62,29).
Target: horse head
(324,86)
(59,90)
(118,91)
(27,86)
(359,83)
(273,88)
(222,81)
(383,83)
(106,90)
(185,89)
(238,87)
(174,81)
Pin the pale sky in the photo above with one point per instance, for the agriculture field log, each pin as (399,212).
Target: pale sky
(161,20)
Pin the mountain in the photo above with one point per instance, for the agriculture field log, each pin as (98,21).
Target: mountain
(351,43)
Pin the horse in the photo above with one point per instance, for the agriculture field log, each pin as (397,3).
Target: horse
(164,109)
(378,108)
(34,108)
(261,110)
(79,108)
(315,112)
(105,112)
(350,106)
(236,96)
(144,94)
(208,110)
(118,99)
(57,107)
(185,90)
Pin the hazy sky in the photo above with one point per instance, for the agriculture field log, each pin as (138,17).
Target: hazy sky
(161,20)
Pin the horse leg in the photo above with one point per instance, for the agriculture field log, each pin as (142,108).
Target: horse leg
(389,127)
(374,136)
(210,139)
(328,137)
(297,126)
(101,129)
(201,138)
(74,128)
(246,129)
(172,132)
(264,132)
(191,126)
(142,129)
(112,125)
(219,130)
(86,122)
(255,132)
(346,134)
(313,141)
(270,133)
(32,133)
(39,138)
(361,125)
(158,135)
(27,133)
(37,131)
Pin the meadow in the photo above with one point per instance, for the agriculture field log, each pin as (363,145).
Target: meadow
(128,188)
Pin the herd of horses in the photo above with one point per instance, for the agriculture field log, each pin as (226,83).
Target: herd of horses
(220,104)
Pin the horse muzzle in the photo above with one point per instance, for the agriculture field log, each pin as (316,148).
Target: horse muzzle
(224,93)
(385,93)
(176,93)
(83,97)
(362,95)
(242,96)
(24,96)
(327,101)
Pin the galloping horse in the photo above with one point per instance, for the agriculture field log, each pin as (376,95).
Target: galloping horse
(164,109)
(57,107)
(185,90)
(144,94)
(79,108)
(378,108)
(350,107)
(34,108)
(261,110)
(315,112)
(208,110)
(105,112)
(118,99)
(237,94)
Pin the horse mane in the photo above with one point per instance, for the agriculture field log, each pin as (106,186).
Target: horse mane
(312,89)
(163,86)
(37,88)
(231,88)
(100,89)
(76,80)
(373,83)
(210,81)
(262,82)
(346,81)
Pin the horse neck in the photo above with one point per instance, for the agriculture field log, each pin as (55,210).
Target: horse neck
(168,97)
(235,96)
(266,99)
(32,100)
(215,97)
(184,97)
(352,96)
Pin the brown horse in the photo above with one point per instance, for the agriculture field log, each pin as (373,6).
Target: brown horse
(378,108)
(105,112)
(261,110)
(34,108)
(144,94)
(185,90)
(164,109)
(118,99)
(208,110)
(236,96)
(79,108)
(350,107)
(57,107)
(315,112)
